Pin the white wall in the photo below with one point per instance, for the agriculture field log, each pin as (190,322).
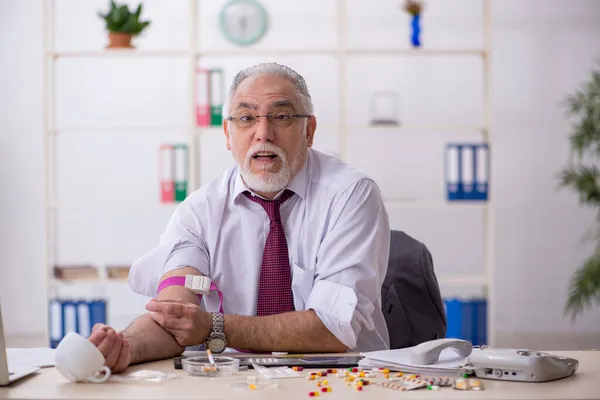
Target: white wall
(22,221)
(108,206)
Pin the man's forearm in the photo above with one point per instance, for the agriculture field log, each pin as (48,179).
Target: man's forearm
(300,331)
(149,341)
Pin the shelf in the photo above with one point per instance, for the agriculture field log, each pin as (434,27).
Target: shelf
(267,53)
(117,53)
(417,128)
(148,207)
(119,129)
(469,279)
(120,53)
(417,52)
(420,203)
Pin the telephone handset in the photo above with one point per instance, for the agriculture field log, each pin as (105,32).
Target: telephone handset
(429,352)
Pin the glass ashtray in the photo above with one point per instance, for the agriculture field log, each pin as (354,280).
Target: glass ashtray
(201,366)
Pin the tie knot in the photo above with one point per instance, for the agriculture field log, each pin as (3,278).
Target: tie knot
(271,206)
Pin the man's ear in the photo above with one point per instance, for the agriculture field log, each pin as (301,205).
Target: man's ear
(311,127)
(227,134)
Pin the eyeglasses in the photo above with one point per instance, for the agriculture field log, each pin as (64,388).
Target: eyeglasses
(281,120)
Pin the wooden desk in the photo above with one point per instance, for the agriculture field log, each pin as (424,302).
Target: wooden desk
(49,384)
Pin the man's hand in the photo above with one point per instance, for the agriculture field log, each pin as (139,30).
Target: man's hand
(115,349)
(187,322)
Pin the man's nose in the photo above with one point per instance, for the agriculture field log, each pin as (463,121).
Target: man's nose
(264,130)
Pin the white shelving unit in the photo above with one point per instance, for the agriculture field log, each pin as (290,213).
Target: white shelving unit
(341,53)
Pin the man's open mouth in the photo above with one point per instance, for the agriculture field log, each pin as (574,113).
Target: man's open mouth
(264,155)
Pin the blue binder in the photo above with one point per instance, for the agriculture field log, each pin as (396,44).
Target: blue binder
(467,171)
(467,320)
(67,315)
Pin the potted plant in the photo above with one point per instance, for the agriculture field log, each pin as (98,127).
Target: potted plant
(122,24)
(582,174)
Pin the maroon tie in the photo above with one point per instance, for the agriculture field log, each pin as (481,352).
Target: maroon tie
(275,283)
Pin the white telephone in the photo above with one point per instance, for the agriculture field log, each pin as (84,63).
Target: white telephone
(503,364)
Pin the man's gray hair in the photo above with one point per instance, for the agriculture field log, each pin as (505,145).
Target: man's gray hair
(271,69)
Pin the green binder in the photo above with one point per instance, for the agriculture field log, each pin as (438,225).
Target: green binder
(216,96)
(181,171)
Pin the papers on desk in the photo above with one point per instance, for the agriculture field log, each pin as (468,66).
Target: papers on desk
(30,357)
(449,363)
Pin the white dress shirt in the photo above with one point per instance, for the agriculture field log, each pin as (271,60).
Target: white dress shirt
(338,235)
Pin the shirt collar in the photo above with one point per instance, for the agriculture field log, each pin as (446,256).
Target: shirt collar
(297,185)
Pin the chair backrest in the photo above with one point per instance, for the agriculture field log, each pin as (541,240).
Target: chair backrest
(411,301)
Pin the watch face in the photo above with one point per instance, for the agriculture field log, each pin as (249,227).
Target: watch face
(243,22)
(216,345)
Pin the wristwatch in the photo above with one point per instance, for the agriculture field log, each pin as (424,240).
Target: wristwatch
(216,341)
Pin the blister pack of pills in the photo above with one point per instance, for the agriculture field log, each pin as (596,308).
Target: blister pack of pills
(276,372)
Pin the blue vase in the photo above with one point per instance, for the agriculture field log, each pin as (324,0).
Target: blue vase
(415,24)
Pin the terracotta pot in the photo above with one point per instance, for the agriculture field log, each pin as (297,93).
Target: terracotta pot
(119,40)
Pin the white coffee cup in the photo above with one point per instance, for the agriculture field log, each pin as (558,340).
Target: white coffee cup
(78,360)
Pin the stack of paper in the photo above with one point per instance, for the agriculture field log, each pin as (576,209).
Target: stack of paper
(30,357)
(449,363)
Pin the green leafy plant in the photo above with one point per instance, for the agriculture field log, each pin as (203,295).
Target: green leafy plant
(119,19)
(583,175)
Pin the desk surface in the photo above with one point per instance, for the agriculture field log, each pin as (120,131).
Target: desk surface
(49,384)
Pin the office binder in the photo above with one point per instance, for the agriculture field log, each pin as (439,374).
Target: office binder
(202,96)
(69,316)
(467,171)
(453,173)
(55,321)
(84,326)
(80,316)
(167,173)
(482,174)
(97,311)
(467,320)
(216,96)
(181,168)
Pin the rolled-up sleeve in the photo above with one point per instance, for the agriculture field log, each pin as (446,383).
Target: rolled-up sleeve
(352,263)
(181,245)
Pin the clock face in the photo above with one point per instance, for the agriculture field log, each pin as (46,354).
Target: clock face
(243,22)
(216,345)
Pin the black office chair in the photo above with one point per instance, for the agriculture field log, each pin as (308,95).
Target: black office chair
(411,301)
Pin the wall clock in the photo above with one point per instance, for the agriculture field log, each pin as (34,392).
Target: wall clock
(243,22)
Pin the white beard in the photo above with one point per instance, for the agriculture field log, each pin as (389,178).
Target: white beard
(270,182)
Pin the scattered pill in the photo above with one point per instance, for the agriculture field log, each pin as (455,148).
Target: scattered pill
(362,374)
(252,386)
(359,388)
(325,382)
(319,373)
(355,369)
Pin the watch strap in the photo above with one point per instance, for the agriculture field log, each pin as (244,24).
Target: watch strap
(218,323)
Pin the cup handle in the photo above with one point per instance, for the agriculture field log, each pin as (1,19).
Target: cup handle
(101,379)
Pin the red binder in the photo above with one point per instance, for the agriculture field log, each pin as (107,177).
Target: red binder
(167,173)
